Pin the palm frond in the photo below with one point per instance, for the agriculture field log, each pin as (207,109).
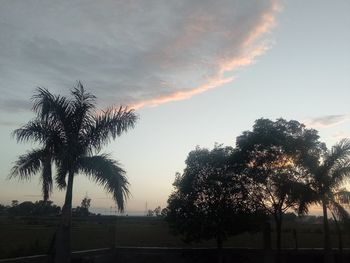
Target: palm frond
(42,101)
(47,105)
(338,210)
(61,172)
(42,131)
(339,154)
(111,123)
(342,196)
(30,163)
(109,174)
(83,98)
(340,173)
(300,196)
(83,107)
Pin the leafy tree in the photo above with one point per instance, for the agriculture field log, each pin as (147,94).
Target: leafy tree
(164,212)
(329,173)
(150,213)
(70,131)
(157,211)
(23,209)
(272,157)
(86,203)
(45,208)
(2,209)
(208,201)
(39,208)
(82,210)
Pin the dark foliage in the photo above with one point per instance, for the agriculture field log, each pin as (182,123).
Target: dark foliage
(28,208)
(83,209)
(272,159)
(209,201)
(71,133)
(70,130)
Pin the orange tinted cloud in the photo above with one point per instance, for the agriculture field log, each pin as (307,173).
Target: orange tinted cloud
(251,47)
(141,53)
(181,95)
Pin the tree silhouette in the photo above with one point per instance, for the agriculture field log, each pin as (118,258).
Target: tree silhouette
(271,156)
(209,202)
(83,209)
(329,173)
(39,208)
(70,131)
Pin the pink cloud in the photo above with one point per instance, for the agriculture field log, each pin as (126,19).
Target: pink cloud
(250,49)
(141,53)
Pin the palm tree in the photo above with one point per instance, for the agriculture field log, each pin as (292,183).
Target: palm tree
(329,174)
(71,133)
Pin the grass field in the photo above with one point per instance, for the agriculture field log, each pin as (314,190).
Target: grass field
(30,236)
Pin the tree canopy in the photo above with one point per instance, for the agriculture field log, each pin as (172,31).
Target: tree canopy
(272,157)
(209,201)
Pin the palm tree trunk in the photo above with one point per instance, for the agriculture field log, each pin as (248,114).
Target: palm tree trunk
(63,237)
(340,238)
(327,237)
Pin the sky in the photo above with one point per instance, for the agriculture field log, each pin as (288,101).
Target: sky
(197,72)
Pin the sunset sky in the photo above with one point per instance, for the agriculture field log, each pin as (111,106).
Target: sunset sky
(198,72)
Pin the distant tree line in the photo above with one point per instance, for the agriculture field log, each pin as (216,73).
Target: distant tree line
(157,212)
(43,208)
(277,168)
(28,208)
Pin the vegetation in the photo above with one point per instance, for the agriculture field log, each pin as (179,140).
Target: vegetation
(329,172)
(83,209)
(209,201)
(270,158)
(70,131)
(278,167)
(32,235)
(27,208)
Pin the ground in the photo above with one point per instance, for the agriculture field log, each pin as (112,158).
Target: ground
(20,236)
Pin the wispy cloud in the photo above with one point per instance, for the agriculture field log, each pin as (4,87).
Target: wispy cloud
(340,135)
(9,123)
(15,105)
(132,52)
(327,121)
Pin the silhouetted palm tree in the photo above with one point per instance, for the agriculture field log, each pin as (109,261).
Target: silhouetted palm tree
(70,131)
(329,174)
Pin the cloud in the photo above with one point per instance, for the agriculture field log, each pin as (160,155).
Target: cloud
(9,123)
(131,52)
(340,135)
(327,121)
(15,105)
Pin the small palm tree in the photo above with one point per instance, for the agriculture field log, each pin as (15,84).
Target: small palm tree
(329,174)
(71,133)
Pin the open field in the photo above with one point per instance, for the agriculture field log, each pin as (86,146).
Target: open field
(32,235)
